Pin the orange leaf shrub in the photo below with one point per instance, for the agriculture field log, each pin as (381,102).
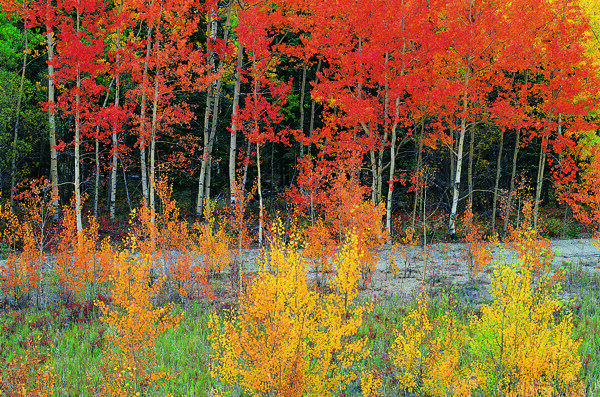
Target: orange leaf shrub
(532,249)
(239,232)
(134,322)
(186,258)
(238,218)
(352,214)
(174,245)
(339,201)
(21,272)
(159,233)
(34,210)
(28,374)
(212,241)
(477,253)
(319,250)
(286,339)
(9,225)
(28,229)
(80,265)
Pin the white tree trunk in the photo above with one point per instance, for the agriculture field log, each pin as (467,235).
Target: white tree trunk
(153,140)
(539,180)
(511,192)
(234,124)
(52,124)
(541,168)
(497,180)
(459,157)
(260,198)
(471,154)
(419,165)
(205,154)
(115,139)
(388,210)
(211,95)
(97,155)
(78,144)
(143,143)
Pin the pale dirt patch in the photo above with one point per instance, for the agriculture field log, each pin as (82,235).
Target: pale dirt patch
(446,266)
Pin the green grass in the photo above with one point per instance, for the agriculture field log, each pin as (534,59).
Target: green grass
(185,352)
(76,355)
(583,286)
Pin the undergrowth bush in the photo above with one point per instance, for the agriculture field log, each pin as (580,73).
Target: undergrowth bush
(523,344)
(340,207)
(28,374)
(429,354)
(286,339)
(319,250)
(27,231)
(477,254)
(81,266)
(533,250)
(134,322)
(187,255)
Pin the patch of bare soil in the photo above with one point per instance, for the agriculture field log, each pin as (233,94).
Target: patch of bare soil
(443,267)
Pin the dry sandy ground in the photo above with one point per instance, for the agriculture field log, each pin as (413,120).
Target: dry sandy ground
(445,267)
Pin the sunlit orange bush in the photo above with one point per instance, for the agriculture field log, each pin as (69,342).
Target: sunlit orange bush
(174,245)
(27,231)
(134,322)
(80,264)
(477,252)
(319,250)
(340,208)
(286,339)
(238,219)
(21,272)
(349,213)
(532,249)
(184,255)
(28,374)
(212,243)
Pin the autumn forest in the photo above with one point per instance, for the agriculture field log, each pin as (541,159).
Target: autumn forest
(299,197)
